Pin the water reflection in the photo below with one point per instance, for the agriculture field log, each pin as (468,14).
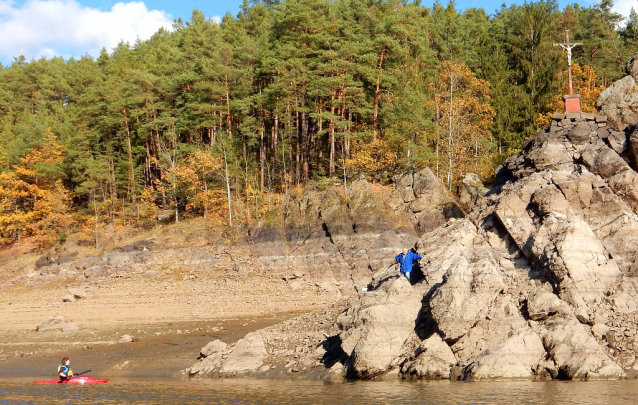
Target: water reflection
(250,391)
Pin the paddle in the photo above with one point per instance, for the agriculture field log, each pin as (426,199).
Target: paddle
(75,375)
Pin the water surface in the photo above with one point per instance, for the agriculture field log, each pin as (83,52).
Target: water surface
(252,391)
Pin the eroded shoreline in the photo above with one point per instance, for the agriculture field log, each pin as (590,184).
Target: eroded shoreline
(168,322)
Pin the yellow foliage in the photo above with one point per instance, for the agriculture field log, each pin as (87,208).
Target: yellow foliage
(148,208)
(204,162)
(193,178)
(86,228)
(33,201)
(29,211)
(214,201)
(50,153)
(371,157)
(3,157)
(583,83)
(463,116)
(185,177)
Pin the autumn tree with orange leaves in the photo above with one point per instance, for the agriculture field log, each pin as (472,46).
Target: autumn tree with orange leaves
(33,201)
(462,116)
(196,176)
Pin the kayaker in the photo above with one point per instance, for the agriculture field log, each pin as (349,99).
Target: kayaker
(64,371)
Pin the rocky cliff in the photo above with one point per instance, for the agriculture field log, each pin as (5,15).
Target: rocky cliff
(536,283)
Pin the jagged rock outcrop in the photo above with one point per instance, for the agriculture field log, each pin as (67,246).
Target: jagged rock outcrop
(536,283)
(421,199)
(380,324)
(514,290)
(471,190)
(247,357)
(619,101)
(434,360)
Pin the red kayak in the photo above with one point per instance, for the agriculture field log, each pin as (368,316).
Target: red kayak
(74,380)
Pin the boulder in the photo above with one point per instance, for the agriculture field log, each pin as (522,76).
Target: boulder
(68,298)
(624,296)
(97,272)
(580,133)
(542,304)
(384,326)
(216,346)
(52,322)
(77,293)
(247,356)
(501,345)
(471,190)
(206,366)
(434,360)
(632,67)
(515,358)
(616,102)
(70,327)
(465,296)
(420,197)
(441,248)
(577,353)
(126,339)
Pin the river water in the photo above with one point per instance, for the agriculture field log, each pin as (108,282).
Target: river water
(251,391)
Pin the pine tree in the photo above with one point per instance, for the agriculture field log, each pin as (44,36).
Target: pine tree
(528,40)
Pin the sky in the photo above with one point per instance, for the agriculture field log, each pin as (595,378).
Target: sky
(73,28)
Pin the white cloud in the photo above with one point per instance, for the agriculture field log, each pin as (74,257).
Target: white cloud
(624,6)
(66,28)
(217,19)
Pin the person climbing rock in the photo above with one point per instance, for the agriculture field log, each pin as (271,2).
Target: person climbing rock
(406,259)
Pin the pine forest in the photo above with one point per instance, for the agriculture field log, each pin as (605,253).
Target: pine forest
(226,120)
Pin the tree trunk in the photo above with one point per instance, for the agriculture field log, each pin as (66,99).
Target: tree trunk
(275,137)
(262,156)
(377,95)
(129,150)
(298,151)
(227,178)
(173,164)
(450,131)
(229,122)
(331,171)
(304,146)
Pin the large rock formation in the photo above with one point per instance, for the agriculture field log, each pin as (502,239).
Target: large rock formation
(515,289)
(536,283)
(619,101)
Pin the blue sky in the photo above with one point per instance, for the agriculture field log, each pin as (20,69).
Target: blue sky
(48,28)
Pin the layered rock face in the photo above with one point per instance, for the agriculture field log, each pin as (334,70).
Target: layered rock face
(536,283)
(330,239)
(339,237)
(531,283)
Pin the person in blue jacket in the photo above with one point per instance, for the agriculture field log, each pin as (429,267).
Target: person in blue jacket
(406,258)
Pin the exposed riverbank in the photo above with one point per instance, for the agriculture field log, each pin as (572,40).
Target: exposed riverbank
(167,321)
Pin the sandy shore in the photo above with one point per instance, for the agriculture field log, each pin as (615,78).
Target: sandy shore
(168,320)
